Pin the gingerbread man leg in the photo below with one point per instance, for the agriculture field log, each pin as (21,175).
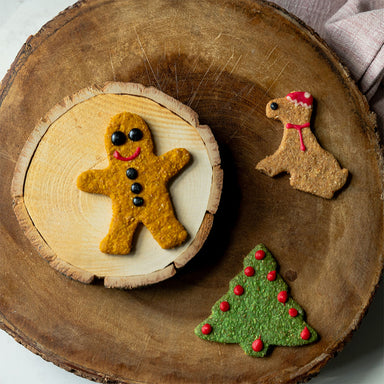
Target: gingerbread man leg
(119,238)
(166,230)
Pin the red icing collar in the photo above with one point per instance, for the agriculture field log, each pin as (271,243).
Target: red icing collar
(299,128)
(117,155)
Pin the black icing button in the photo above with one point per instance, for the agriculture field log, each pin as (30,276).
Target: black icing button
(131,173)
(138,201)
(274,106)
(136,187)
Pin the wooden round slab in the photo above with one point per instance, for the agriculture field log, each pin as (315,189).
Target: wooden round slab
(225,60)
(70,140)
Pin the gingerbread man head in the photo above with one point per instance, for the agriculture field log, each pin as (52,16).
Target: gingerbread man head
(128,138)
(295,108)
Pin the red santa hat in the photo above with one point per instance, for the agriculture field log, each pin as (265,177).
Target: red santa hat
(304,99)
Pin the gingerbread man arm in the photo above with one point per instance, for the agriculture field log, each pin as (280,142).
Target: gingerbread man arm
(173,162)
(92,181)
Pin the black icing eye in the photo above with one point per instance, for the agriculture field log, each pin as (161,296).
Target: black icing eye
(135,134)
(118,138)
(274,106)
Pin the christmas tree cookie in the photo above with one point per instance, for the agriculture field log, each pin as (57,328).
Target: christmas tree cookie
(257,311)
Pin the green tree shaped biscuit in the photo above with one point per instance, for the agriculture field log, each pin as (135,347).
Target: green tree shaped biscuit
(257,311)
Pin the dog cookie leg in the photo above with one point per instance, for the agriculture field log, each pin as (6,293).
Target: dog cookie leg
(324,184)
(119,238)
(272,165)
(166,230)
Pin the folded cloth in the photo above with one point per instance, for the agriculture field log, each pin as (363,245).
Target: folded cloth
(314,13)
(354,29)
(356,33)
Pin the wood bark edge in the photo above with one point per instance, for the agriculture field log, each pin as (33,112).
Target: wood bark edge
(26,156)
(43,248)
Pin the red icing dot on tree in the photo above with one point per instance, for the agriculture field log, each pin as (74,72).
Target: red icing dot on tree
(292,312)
(282,297)
(305,334)
(249,271)
(271,276)
(259,255)
(257,345)
(238,290)
(206,329)
(224,306)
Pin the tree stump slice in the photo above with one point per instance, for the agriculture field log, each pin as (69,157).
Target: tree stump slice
(225,60)
(66,225)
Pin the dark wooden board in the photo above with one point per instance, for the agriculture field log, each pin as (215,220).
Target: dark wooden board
(226,60)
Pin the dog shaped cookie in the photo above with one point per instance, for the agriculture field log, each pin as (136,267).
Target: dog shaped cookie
(312,169)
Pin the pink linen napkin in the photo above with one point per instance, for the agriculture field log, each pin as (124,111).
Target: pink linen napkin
(354,29)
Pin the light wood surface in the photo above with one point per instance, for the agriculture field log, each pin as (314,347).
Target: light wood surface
(226,60)
(66,225)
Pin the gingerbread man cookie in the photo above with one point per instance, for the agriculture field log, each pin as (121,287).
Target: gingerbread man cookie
(312,169)
(136,181)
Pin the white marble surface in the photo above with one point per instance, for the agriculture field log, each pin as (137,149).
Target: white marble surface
(362,360)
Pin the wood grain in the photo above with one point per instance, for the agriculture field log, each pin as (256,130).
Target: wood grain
(67,225)
(226,60)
